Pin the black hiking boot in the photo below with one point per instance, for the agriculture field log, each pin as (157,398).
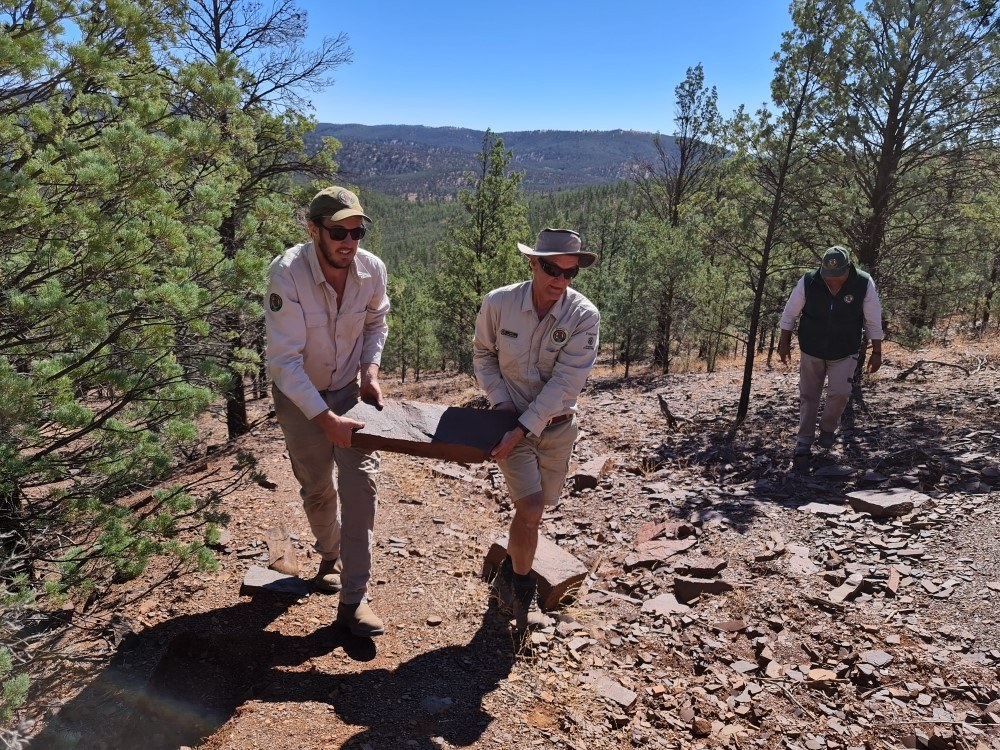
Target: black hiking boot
(515,594)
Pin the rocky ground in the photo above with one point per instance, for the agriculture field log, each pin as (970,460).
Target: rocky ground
(733,598)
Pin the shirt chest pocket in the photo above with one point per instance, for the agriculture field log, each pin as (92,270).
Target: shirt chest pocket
(512,352)
(318,319)
(319,345)
(547,359)
(349,327)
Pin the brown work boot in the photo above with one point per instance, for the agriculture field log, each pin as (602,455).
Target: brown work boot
(360,619)
(328,577)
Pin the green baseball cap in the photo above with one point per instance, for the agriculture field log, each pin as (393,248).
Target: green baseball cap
(336,203)
(836,262)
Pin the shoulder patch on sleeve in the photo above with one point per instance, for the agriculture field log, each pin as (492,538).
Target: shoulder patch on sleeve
(275,302)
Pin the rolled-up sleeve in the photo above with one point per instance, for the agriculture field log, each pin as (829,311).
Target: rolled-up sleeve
(573,364)
(485,360)
(873,313)
(286,341)
(376,329)
(794,306)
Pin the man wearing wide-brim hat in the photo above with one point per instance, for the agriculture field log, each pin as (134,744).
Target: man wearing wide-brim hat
(535,345)
(837,303)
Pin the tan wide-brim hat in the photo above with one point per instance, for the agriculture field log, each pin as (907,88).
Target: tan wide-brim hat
(336,203)
(560,242)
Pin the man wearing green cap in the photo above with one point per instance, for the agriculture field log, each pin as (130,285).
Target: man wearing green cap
(325,314)
(837,301)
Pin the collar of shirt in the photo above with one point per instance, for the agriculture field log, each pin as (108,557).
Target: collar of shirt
(528,305)
(317,273)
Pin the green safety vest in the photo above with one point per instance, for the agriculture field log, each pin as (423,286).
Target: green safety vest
(831,325)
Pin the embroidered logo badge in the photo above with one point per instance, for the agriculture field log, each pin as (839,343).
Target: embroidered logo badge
(848,298)
(590,342)
(274,302)
(346,198)
(508,334)
(560,336)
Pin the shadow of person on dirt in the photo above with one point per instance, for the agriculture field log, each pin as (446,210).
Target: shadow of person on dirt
(176,683)
(179,682)
(439,693)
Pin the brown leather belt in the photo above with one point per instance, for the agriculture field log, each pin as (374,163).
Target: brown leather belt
(559,420)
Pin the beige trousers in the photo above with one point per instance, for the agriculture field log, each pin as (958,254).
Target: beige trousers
(341,510)
(812,373)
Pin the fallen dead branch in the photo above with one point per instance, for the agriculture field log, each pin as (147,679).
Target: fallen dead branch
(921,362)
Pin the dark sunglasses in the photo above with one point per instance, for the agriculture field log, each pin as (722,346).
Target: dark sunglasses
(339,234)
(555,271)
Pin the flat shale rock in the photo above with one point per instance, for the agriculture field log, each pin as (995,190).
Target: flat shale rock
(612,690)
(800,565)
(261,580)
(556,570)
(653,530)
(687,587)
(823,509)
(591,472)
(649,554)
(281,552)
(700,566)
(450,433)
(664,604)
(848,589)
(897,501)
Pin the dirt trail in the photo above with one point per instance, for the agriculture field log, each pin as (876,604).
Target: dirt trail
(779,659)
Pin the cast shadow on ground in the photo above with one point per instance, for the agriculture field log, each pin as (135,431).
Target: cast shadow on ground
(438,693)
(179,682)
(742,475)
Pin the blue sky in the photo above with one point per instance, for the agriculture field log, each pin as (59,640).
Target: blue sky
(545,64)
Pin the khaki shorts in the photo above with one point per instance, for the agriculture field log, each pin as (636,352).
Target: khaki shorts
(540,464)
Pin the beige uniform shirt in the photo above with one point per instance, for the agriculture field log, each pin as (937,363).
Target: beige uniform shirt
(312,345)
(540,365)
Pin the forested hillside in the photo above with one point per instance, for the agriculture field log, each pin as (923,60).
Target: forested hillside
(424,163)
(157,155)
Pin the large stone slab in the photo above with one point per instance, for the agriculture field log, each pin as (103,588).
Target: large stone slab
(450,433)
(557,572)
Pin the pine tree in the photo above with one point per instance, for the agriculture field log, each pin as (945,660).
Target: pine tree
(481,254)
(241,70)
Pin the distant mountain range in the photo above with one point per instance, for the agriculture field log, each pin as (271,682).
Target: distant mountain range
(418,162)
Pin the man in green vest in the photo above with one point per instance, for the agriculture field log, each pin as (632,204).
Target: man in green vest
(836,303)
